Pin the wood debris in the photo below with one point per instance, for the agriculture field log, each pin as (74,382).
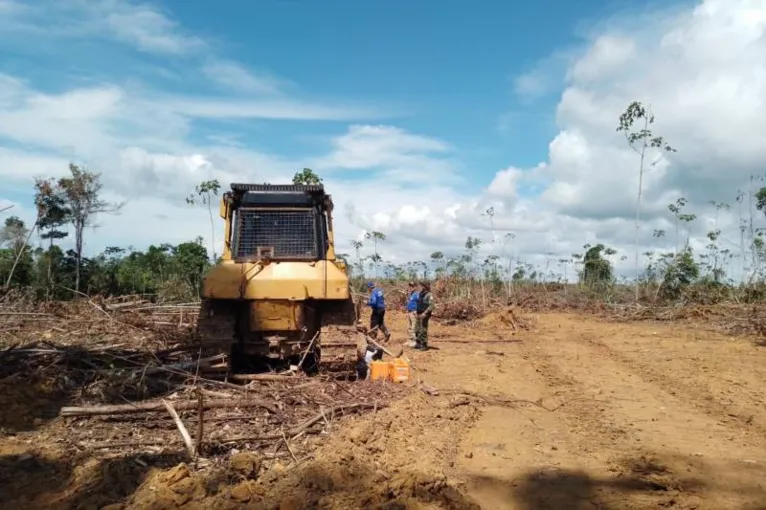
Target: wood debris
(131,375)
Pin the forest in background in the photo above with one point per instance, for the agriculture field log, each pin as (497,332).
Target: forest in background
(32,261)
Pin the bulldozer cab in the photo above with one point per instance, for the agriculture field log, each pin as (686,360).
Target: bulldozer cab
(277,222)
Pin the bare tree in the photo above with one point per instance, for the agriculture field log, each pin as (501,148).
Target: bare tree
(82,198)
(376,238)
(16,234)
(203,194)
(640,141)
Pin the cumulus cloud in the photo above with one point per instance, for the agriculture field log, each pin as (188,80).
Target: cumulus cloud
(702,70)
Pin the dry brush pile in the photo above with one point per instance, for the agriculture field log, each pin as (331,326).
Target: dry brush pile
(125,376)
(461,301)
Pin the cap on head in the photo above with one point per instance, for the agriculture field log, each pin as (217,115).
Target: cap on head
(425,285)
(411,284)
(370,285)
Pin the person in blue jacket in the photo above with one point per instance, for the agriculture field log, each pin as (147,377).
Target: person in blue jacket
(377,304)
(412,313)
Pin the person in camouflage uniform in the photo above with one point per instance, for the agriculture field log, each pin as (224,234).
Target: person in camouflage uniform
(424,309)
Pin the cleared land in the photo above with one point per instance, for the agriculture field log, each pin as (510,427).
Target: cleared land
(549,410)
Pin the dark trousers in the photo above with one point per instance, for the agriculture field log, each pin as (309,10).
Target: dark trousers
(421,333)
(376,319)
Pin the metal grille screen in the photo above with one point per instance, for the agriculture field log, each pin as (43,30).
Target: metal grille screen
(277,234)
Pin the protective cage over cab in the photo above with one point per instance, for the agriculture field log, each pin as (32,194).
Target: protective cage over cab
(279,222)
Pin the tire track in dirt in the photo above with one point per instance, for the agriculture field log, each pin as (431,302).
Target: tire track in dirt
(528,458)
(509,449)
(636,423)
(701,397)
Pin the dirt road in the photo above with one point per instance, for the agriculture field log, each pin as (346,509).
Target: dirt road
(572,413)
(640,416)
(584,414)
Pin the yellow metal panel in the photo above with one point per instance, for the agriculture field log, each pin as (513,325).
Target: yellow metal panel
(295,281)
(223,208)
(275,316)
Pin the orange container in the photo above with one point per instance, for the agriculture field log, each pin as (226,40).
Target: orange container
(380,370)
(399,370)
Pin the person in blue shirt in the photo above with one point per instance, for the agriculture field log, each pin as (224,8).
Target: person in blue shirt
(412,313)
(377,304)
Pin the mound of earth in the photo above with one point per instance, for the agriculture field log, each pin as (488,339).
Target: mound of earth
(392,459)
(507,318)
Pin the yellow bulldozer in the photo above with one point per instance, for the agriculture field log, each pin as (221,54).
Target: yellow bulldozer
(279,290)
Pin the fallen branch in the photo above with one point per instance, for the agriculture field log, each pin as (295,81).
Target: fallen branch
(158,406)
(200,419)
(184,366)
(302,427)
(263,377)
(181,428)
(29,314)
(287,445)
(127,304)
(370,340)
(429,390)
(508,341)
(303,358)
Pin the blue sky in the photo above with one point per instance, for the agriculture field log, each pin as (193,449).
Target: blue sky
(445,70)
(449,67)
(420,115)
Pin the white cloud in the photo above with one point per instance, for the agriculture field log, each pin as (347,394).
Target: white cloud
(234,76)
(545,76)
(405,158)
(145,26)
(20,166)
(703,71)
(608,54)
(371,146)
(505,183)
(142,25)
(211,108)
(85,122)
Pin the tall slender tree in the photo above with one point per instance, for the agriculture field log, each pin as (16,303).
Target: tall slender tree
(377,237)
(641,141)
(203,195)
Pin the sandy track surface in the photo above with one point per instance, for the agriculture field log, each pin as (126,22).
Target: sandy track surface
(646,416)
